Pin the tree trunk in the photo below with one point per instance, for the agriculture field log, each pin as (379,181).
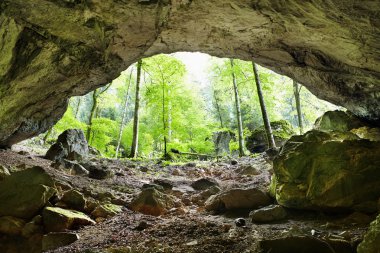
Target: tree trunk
(296,89)
(78,106)
(163,116)
(123,116)
(218,108)
(238,111)
(135,138)
(169,117)
(268,129)
(92,114)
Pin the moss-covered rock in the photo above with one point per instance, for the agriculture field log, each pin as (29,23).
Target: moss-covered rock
(11,225)
(321,170)
(338,121)
(24,193)
(53,241)
(106,210)
(152,202)
(56,219)
(371,241)
(250,198)
(257,141)
(74,199)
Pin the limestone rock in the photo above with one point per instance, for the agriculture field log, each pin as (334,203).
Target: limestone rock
(166,183)
(338,121)
(70,145)
(106,210)
(63,62)
(257,141)
(321,170)
(250,198)
(222,141)
(10,225)
(204,184)
(370,243)
(24,193)
(152,202)
(56,219)
(4,172)
(303,244)
(369,133)
(33,227)
(268,214)
(53,241)
(247,170)
(74,199)
(100,172)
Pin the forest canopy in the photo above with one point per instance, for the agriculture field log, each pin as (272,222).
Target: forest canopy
(180,112)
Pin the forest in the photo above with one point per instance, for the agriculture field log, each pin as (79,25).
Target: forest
(180,112)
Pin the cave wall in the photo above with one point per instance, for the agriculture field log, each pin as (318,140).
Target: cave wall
(54,49)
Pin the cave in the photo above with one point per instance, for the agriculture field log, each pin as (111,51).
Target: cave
(52,50)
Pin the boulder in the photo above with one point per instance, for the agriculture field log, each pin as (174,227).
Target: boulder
(33,227)
(247,170)
(166,183)
(338,121)
(369,133)
(53,241)
(257,141)
(74,199)
(4,172)
(222,141)
(327,170)
(11,225)
(371,241)
(106,210)
(304,244)
(70,145)
(204,184)
(24,193)
(268,214)
(56,219)
(250,198)
(152,202)
(100,172)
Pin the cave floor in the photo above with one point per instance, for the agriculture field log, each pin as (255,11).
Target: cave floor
(188,228)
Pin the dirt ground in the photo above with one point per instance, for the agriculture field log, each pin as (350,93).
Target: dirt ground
(188,228)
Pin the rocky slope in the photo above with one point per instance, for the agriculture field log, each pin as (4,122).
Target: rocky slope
(54,49)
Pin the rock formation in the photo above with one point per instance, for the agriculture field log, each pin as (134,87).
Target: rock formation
(54,49)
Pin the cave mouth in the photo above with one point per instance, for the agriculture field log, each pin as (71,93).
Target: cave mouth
(186,86)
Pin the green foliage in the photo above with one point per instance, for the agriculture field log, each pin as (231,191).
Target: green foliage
(103,136)
(68,121)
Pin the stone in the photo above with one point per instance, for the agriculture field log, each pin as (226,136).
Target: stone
(33,227)
(268,214)
(256,142)
(74,199)
(303,244)
(152,202)
(70,145)
(24,193)
(106,210)
(155,186)
(166,183)
(53,241)
(222,141)
(370,243)
(234,162)
(60,70)
(368,133)
(204,184)
(327,171)
(4,172)
(338,121)
(11,225)
(100,172)
(247,170)
(240,222)
(56,219)
(250,198)
(73,166)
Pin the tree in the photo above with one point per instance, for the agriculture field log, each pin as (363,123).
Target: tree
(95,95)
(238,111)
(268,129)
(136,114)
(123,115)
(296,90)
